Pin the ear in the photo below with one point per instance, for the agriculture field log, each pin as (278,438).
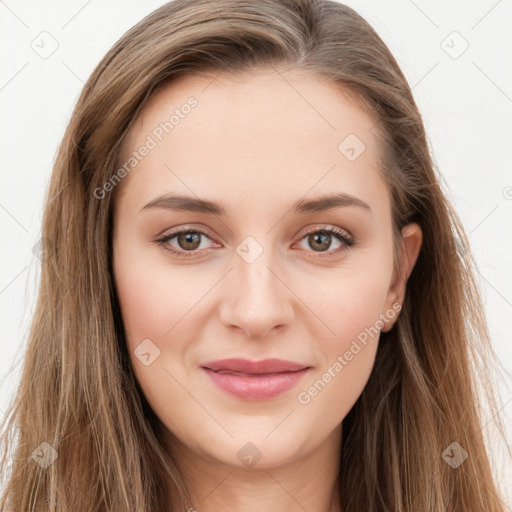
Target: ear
(410,246)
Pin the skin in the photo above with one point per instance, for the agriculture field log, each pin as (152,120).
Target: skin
(256,143)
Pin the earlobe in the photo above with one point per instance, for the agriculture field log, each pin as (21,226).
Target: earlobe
(412,238)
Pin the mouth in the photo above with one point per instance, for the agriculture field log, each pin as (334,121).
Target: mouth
(263,367)
(230,372)
(249,380)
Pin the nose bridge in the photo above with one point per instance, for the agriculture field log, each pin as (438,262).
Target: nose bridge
(256,299)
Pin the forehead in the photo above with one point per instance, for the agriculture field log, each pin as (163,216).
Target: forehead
(262,130)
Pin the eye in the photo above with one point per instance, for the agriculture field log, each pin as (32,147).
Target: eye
(321,239)
(188,241)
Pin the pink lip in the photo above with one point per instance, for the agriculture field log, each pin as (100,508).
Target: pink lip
(258,380)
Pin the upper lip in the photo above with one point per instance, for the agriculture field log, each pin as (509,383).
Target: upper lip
(254,367)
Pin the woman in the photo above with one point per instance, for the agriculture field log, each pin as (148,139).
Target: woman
(255,295)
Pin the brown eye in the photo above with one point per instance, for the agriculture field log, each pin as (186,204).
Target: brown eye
(319,241)
(189,241)
(186,243)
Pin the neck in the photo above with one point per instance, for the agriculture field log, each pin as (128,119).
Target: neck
(308,483)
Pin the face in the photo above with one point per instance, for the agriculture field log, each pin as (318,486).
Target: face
(254,226)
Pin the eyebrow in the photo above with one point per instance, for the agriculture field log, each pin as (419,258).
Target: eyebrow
(194,204)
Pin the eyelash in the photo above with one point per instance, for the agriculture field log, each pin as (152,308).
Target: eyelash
(341,235)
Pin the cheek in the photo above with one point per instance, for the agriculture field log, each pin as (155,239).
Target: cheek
(153,299)
(348,301)
(353,310)
(154,302)
(360,313)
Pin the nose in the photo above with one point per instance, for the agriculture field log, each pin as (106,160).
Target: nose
(257,300)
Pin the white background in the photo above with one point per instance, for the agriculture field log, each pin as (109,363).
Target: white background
(466,103)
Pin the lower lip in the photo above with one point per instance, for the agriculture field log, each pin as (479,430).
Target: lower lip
(257,387)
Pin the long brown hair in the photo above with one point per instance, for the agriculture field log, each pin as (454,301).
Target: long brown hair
(78,398)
